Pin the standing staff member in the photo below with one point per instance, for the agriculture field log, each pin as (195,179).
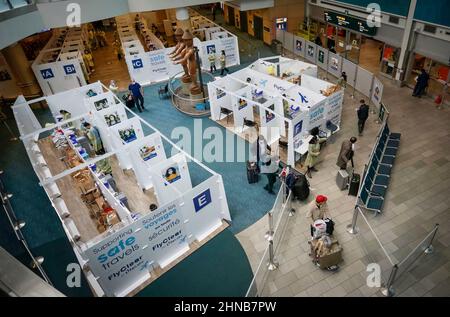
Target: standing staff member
(313,154)
(270,168)
(223,63)
(212,61)
(137,92)
(422,83)
(346,153)
(363,114)
(93,135)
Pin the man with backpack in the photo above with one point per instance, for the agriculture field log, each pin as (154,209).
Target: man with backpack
(363,114)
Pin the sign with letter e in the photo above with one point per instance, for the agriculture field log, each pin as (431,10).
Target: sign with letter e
(202,200)
(47,73)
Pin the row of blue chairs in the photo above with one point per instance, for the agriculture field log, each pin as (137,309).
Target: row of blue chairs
(378,172)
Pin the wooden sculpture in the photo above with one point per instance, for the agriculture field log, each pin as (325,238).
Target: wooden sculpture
(188,56)
(176,54)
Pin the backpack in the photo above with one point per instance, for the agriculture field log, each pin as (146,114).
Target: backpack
(330,226)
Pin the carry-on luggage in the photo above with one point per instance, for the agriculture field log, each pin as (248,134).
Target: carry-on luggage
(300,189)
(326,257)
(252,172)
(342,179)
(354,185)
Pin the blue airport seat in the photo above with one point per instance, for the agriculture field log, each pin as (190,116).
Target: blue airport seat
(380,180)
(375,190)
(372,203)
(385,159)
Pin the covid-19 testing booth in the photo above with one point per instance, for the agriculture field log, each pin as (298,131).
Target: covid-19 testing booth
(149,62)
(279,109)
(60,65)
(130,211)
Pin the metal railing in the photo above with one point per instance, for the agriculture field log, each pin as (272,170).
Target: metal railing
(277,219)
(391,270)
(17,225)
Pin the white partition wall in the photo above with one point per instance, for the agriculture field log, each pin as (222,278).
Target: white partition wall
(350,69)
(364,80)
(106,258)
(145,154)
(121,259)
(377,91)
(270,125)
(334,108)
(122,133)
(310,51)
(202,205)
(71,101)
(322,57)
(241,109)
(288,41)
(171,178)
(334,64)
(299,46)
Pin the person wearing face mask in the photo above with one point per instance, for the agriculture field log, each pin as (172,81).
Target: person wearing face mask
(346,153)
(137,92)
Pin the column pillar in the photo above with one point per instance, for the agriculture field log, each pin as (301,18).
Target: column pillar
(404,51)
(18,63)
(183,20)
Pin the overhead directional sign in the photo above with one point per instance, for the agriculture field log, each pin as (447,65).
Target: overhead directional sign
(350,22)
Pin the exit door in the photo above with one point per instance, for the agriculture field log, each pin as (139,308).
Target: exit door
(258,27)
(243,18)
(231,18)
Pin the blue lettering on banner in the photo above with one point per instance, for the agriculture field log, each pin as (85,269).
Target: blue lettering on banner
(298,128)
(47,73)
(69,69)
(303,98)
(202,200)
(263,82)
(137,63)
(316,114)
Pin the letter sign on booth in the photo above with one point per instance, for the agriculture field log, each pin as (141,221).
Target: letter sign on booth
(137,63)
(47,73)
(202,200)
(69,69)
(298,128)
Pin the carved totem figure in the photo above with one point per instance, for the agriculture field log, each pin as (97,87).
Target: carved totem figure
(177,54)
(188,55)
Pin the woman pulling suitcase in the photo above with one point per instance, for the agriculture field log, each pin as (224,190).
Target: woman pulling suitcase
(325,249)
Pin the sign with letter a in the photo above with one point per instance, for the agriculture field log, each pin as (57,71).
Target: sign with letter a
(47,73)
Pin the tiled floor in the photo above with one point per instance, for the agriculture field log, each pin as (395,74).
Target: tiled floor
(418,198)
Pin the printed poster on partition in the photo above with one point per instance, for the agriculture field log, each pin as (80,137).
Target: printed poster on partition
(334,109)
(119,260)
(164,232)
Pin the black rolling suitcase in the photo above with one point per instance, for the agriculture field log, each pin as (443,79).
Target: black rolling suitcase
(252,172)
(354,184)
(301,187)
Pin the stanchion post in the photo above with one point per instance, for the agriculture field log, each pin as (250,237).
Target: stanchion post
(272,265)
(389,290)
(430,247)
(352,228)
(269,233)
